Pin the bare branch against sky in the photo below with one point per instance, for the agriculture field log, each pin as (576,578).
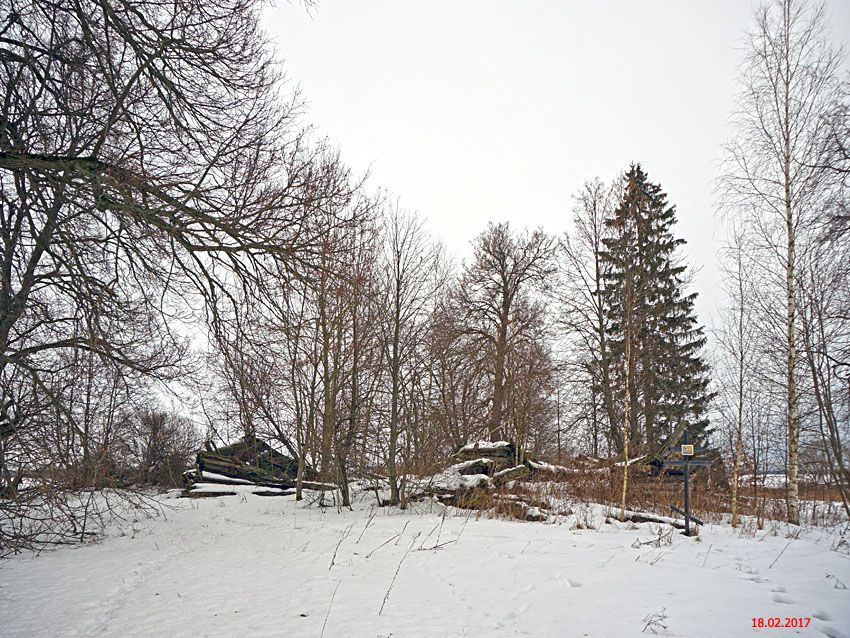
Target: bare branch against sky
(493,111)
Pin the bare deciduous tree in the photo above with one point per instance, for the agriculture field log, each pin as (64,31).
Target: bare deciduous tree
(152,173)
(825,328)
(581,304)
(503,275)
(408,289)
(737,341)
(775,172)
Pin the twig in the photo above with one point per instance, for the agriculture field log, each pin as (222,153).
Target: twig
(397,569)
(780,554)
(463,527)
(382,544)
(439,532)
(655,622)
(661,554)
(330,604)
(429,535)
(704,560)
(368,523)
(433,547)
(533,536)
(402,531)
(342,537)
(838,583)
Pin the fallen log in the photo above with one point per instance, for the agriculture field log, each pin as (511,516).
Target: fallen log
(207,494)
(645,517)
(315,485)
(274,493)
(510,474)
(540,469)
(215,494)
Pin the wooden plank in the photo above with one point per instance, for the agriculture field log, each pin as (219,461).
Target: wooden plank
(690,516)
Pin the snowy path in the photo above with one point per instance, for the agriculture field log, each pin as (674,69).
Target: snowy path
(260,567)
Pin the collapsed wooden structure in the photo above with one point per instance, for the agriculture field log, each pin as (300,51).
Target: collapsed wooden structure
(481,477)
(248,466)
(485,476)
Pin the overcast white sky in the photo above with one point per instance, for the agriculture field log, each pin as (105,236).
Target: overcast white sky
(499,110)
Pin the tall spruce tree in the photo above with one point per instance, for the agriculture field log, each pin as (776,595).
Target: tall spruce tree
(651,320)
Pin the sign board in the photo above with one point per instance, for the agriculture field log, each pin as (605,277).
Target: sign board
(687,450)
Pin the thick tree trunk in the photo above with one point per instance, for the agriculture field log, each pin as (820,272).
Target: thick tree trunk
(626,415)
(328,397)
(496,432)
(299,479)
(392,447)
(346,441)
(604,370)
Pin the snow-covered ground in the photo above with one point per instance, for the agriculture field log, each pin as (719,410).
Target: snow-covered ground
(260,566)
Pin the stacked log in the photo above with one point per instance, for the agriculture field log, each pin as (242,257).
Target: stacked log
(495,459)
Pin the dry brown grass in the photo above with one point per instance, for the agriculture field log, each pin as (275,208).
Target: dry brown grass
(821,505)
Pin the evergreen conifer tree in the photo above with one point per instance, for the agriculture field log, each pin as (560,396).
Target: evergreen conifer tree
(646,304)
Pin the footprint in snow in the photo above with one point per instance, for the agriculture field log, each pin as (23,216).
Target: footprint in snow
(780,598)
(567,582)
(757,579)
(832,632)
(820,614)
(516,613)
(780,589)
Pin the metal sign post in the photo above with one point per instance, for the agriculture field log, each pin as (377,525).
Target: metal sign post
(687,460)
(687,451)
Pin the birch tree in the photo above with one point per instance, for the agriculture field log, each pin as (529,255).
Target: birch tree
(775,172)
(582,312)
(737,342)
